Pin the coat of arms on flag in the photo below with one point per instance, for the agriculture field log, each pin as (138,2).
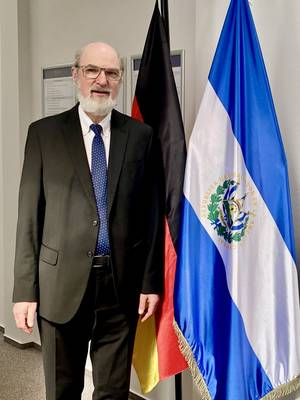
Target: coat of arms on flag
(230,206)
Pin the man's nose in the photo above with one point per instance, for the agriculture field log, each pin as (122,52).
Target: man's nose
(101,78)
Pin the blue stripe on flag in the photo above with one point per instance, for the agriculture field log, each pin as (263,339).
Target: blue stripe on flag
(239,78)
(209,319)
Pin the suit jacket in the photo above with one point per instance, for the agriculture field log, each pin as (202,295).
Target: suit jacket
(58,220)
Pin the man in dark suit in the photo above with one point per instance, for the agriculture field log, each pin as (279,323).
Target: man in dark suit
(90,237)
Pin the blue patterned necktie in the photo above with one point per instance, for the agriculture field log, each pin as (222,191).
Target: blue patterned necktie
(99,178)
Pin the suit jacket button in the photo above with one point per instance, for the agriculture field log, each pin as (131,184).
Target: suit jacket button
(90,254)
(95,223)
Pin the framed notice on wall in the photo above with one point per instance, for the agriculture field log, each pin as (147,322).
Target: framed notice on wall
(58,89)
(177,61)
(59,92)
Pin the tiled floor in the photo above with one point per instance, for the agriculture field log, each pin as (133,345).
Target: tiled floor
(21,374)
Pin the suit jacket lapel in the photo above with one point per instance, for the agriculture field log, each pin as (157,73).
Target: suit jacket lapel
(118,143)
(75,145)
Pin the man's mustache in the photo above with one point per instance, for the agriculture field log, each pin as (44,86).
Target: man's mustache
(100,90)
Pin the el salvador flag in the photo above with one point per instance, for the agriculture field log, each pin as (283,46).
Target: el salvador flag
(236,291)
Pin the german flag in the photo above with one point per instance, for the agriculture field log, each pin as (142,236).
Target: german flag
(156,353)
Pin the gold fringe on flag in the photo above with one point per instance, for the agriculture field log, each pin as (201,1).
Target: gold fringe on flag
(283,390)
(277,393)
(188,355)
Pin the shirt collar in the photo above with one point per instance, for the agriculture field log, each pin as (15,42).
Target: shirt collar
(86,122)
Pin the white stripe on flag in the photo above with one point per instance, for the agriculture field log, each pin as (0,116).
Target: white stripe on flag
(260,262)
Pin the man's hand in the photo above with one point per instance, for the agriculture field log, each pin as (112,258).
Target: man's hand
(24,313)
(148,305)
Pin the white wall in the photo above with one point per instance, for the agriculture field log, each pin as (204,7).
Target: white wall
(25,70)
(12,96)
(278,23)
(10,142)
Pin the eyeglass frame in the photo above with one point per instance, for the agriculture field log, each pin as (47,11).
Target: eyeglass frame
(82,67)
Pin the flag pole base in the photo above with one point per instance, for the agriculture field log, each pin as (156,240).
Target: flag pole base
(178,386)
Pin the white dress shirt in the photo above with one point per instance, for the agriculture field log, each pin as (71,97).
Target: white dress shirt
(88,134)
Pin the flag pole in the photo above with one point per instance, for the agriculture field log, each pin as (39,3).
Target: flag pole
(165,17)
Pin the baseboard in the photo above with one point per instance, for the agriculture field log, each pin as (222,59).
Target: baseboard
(133,396)
(16,344)
(21,345)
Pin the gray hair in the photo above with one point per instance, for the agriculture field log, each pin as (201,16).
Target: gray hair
(79,52)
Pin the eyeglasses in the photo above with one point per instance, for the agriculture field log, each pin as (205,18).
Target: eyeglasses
(92,72)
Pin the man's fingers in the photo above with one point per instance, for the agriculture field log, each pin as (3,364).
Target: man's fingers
(146,316)
(150,311)
(142,305)
(149,302)
(19,315)
(24,313)
(31,315)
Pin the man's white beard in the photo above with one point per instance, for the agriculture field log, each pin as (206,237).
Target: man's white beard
(99,107)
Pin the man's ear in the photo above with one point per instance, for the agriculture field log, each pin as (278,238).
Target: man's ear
(74,73)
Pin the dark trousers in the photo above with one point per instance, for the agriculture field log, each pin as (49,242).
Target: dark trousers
(101,320)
